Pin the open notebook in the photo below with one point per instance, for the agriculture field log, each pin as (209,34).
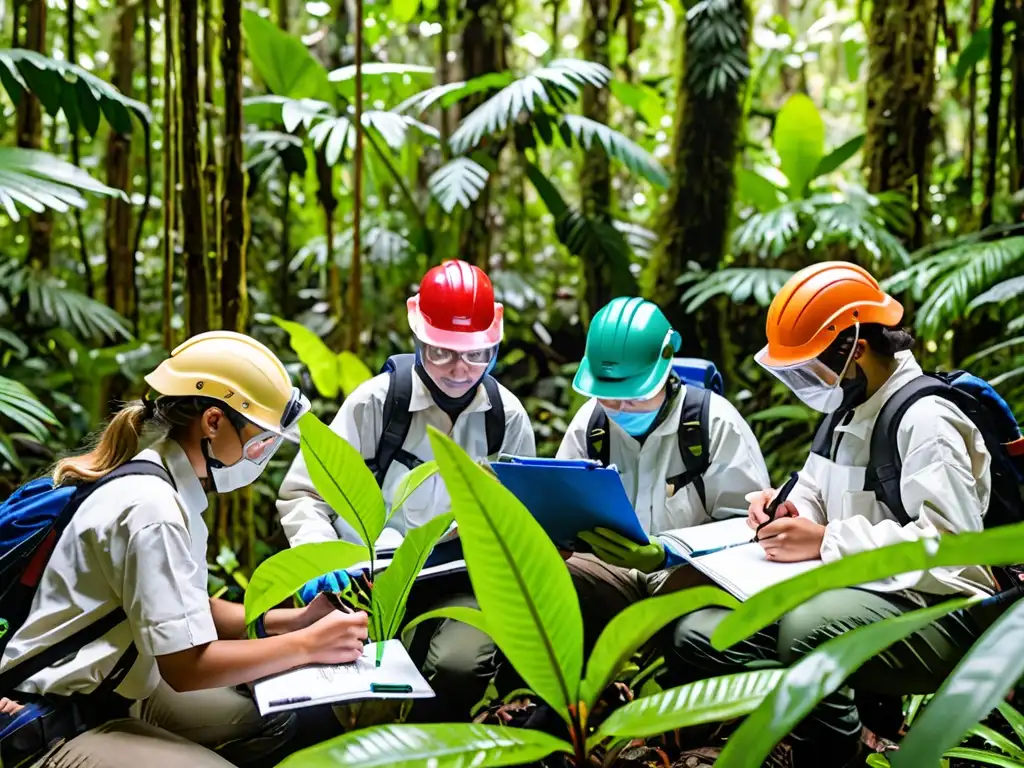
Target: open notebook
(444,558)
(740,570)
(396,678)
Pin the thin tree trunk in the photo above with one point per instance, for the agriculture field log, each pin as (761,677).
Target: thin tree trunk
(901,85)
(147,142)
(355,277)
(284,299)
(1018,97)
(234,221)
(120,276)
(192,194)
(556,11)
(694,223)
(30,134)
(282,14)
(972,107)
(995,98)
(444,72)
(170,173)
(83,250)
(213,221)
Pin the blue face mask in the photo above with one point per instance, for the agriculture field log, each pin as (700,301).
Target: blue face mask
(635,423)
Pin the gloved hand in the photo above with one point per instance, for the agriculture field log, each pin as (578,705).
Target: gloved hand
(352,588)
(616,549)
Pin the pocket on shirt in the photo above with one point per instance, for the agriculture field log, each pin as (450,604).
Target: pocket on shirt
(419,508)
(863,503)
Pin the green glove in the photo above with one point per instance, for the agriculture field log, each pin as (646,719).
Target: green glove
(618,550)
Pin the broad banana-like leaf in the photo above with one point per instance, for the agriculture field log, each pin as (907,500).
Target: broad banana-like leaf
(282,575)
(283,62)
(998,546)
(314,354)
(706,701)
(519,579)
(980,681)
(799,138)
(814,677)
(634,626)
(438,745)
(342,478)
(392,586)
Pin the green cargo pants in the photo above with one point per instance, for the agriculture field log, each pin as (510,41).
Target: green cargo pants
(829,735)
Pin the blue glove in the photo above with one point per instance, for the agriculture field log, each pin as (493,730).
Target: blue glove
(352,587)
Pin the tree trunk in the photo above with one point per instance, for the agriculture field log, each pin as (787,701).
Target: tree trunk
(355,275)
(995,98)
(29,123)
(695,220)
(83,250)
(972,106)
(213,221)
(234,221)
(170,174)
(192,195)
(900,88)
(483,52)
(1018,98)
(120,278)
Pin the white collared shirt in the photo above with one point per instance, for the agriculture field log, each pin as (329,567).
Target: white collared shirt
(736,466)
(945,484)
(305,516)
(138,544)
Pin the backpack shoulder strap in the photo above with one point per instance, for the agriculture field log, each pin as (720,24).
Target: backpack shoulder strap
(396,417)
(821,444)
(494,417)
(882,475)
(22,671)
(598,439)
(694,441)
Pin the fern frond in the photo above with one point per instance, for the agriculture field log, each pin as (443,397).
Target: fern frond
(39,180)
(716,43)
(19,405)
(458,182)
(740,284)
(629,153)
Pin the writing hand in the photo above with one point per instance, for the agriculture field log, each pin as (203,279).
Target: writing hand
(337,638)
(758,500)
(792,539)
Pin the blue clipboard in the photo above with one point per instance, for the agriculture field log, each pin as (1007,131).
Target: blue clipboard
(567,497)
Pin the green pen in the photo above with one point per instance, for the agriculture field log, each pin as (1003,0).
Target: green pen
(390,688)
(380,652)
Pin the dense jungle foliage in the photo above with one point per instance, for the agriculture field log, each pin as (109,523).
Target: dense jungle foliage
(291,169)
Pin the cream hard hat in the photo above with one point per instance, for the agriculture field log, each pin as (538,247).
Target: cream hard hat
(236,370)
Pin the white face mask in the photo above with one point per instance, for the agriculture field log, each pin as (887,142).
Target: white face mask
(256,455)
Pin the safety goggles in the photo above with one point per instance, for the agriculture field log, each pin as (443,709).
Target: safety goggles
(440,356)
(631,404)
(816,382)
(260,448)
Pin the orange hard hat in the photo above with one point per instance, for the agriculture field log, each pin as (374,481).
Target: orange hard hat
(817,304)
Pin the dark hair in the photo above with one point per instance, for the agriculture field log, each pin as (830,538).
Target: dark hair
(884,340)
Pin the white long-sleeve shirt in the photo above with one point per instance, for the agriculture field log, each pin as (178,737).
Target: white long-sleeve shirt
(306,517)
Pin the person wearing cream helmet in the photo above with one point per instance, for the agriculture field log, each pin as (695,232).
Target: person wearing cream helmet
(833,338)
(457,326)
(123,594)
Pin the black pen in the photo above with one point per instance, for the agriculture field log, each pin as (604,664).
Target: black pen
(285,702)
(780,498)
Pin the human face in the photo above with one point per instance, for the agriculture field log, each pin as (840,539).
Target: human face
(636,405)
(455,372)
(236,451)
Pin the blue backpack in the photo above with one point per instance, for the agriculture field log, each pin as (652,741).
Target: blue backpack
(702,378)
(31,523)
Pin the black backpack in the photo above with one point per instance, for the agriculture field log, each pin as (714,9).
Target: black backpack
(980,403)
(396,417)
(694,439)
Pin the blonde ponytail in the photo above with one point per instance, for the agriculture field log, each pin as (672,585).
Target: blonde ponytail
(118,443)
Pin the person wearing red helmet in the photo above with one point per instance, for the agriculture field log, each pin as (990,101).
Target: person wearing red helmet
(457,326)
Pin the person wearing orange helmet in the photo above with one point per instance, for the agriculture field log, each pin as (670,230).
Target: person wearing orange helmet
(115,646)
(834,340)
(457,326)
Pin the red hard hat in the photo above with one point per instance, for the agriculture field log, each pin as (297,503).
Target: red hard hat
(455,308)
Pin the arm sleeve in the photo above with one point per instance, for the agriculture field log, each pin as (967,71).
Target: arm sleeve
(167,610)
(944,483)
(574,443)
(806,494)
(305,516)
(519,437)
(737,466)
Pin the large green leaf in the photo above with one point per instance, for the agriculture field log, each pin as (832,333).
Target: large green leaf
(351,372)
(976,49)
(634,626)
(64,86)
(705,701)
(283,62)
(438,745)
(518,577)
(834,159)
(983,757)
(980,681)
(999,546)
(1014,718)
(19,405)
(39,180)
(458,182)
(314,354)
(342,478)
(799,138)
(814,677)
(410,482)
(756,190)
(629,153)
(333,135)
(405,10)
(391,587)
(282,575)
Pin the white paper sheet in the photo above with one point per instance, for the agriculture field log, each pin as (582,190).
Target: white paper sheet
(324,684)
(698,538)
(744,571)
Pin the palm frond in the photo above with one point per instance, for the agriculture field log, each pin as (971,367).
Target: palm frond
(740,284)
(450,93)
(23,408)
(394,128)
(640,239)
(378,69)
(629,153)
(1007,290)
(384,247)
(335,133)
(458,182)
(716,47)
(64,87)
(554,85)
(273,148)
(296,112)
(11,340)
(949,281)
(39,180)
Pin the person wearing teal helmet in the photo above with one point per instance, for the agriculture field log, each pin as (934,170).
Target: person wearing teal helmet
(642,418)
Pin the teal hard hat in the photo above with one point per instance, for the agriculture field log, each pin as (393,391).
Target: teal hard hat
(629,353)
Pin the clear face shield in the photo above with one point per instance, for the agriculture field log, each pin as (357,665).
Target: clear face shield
(816,382)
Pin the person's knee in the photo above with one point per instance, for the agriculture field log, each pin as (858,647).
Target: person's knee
(691,635)
(814,622)
(461,653)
